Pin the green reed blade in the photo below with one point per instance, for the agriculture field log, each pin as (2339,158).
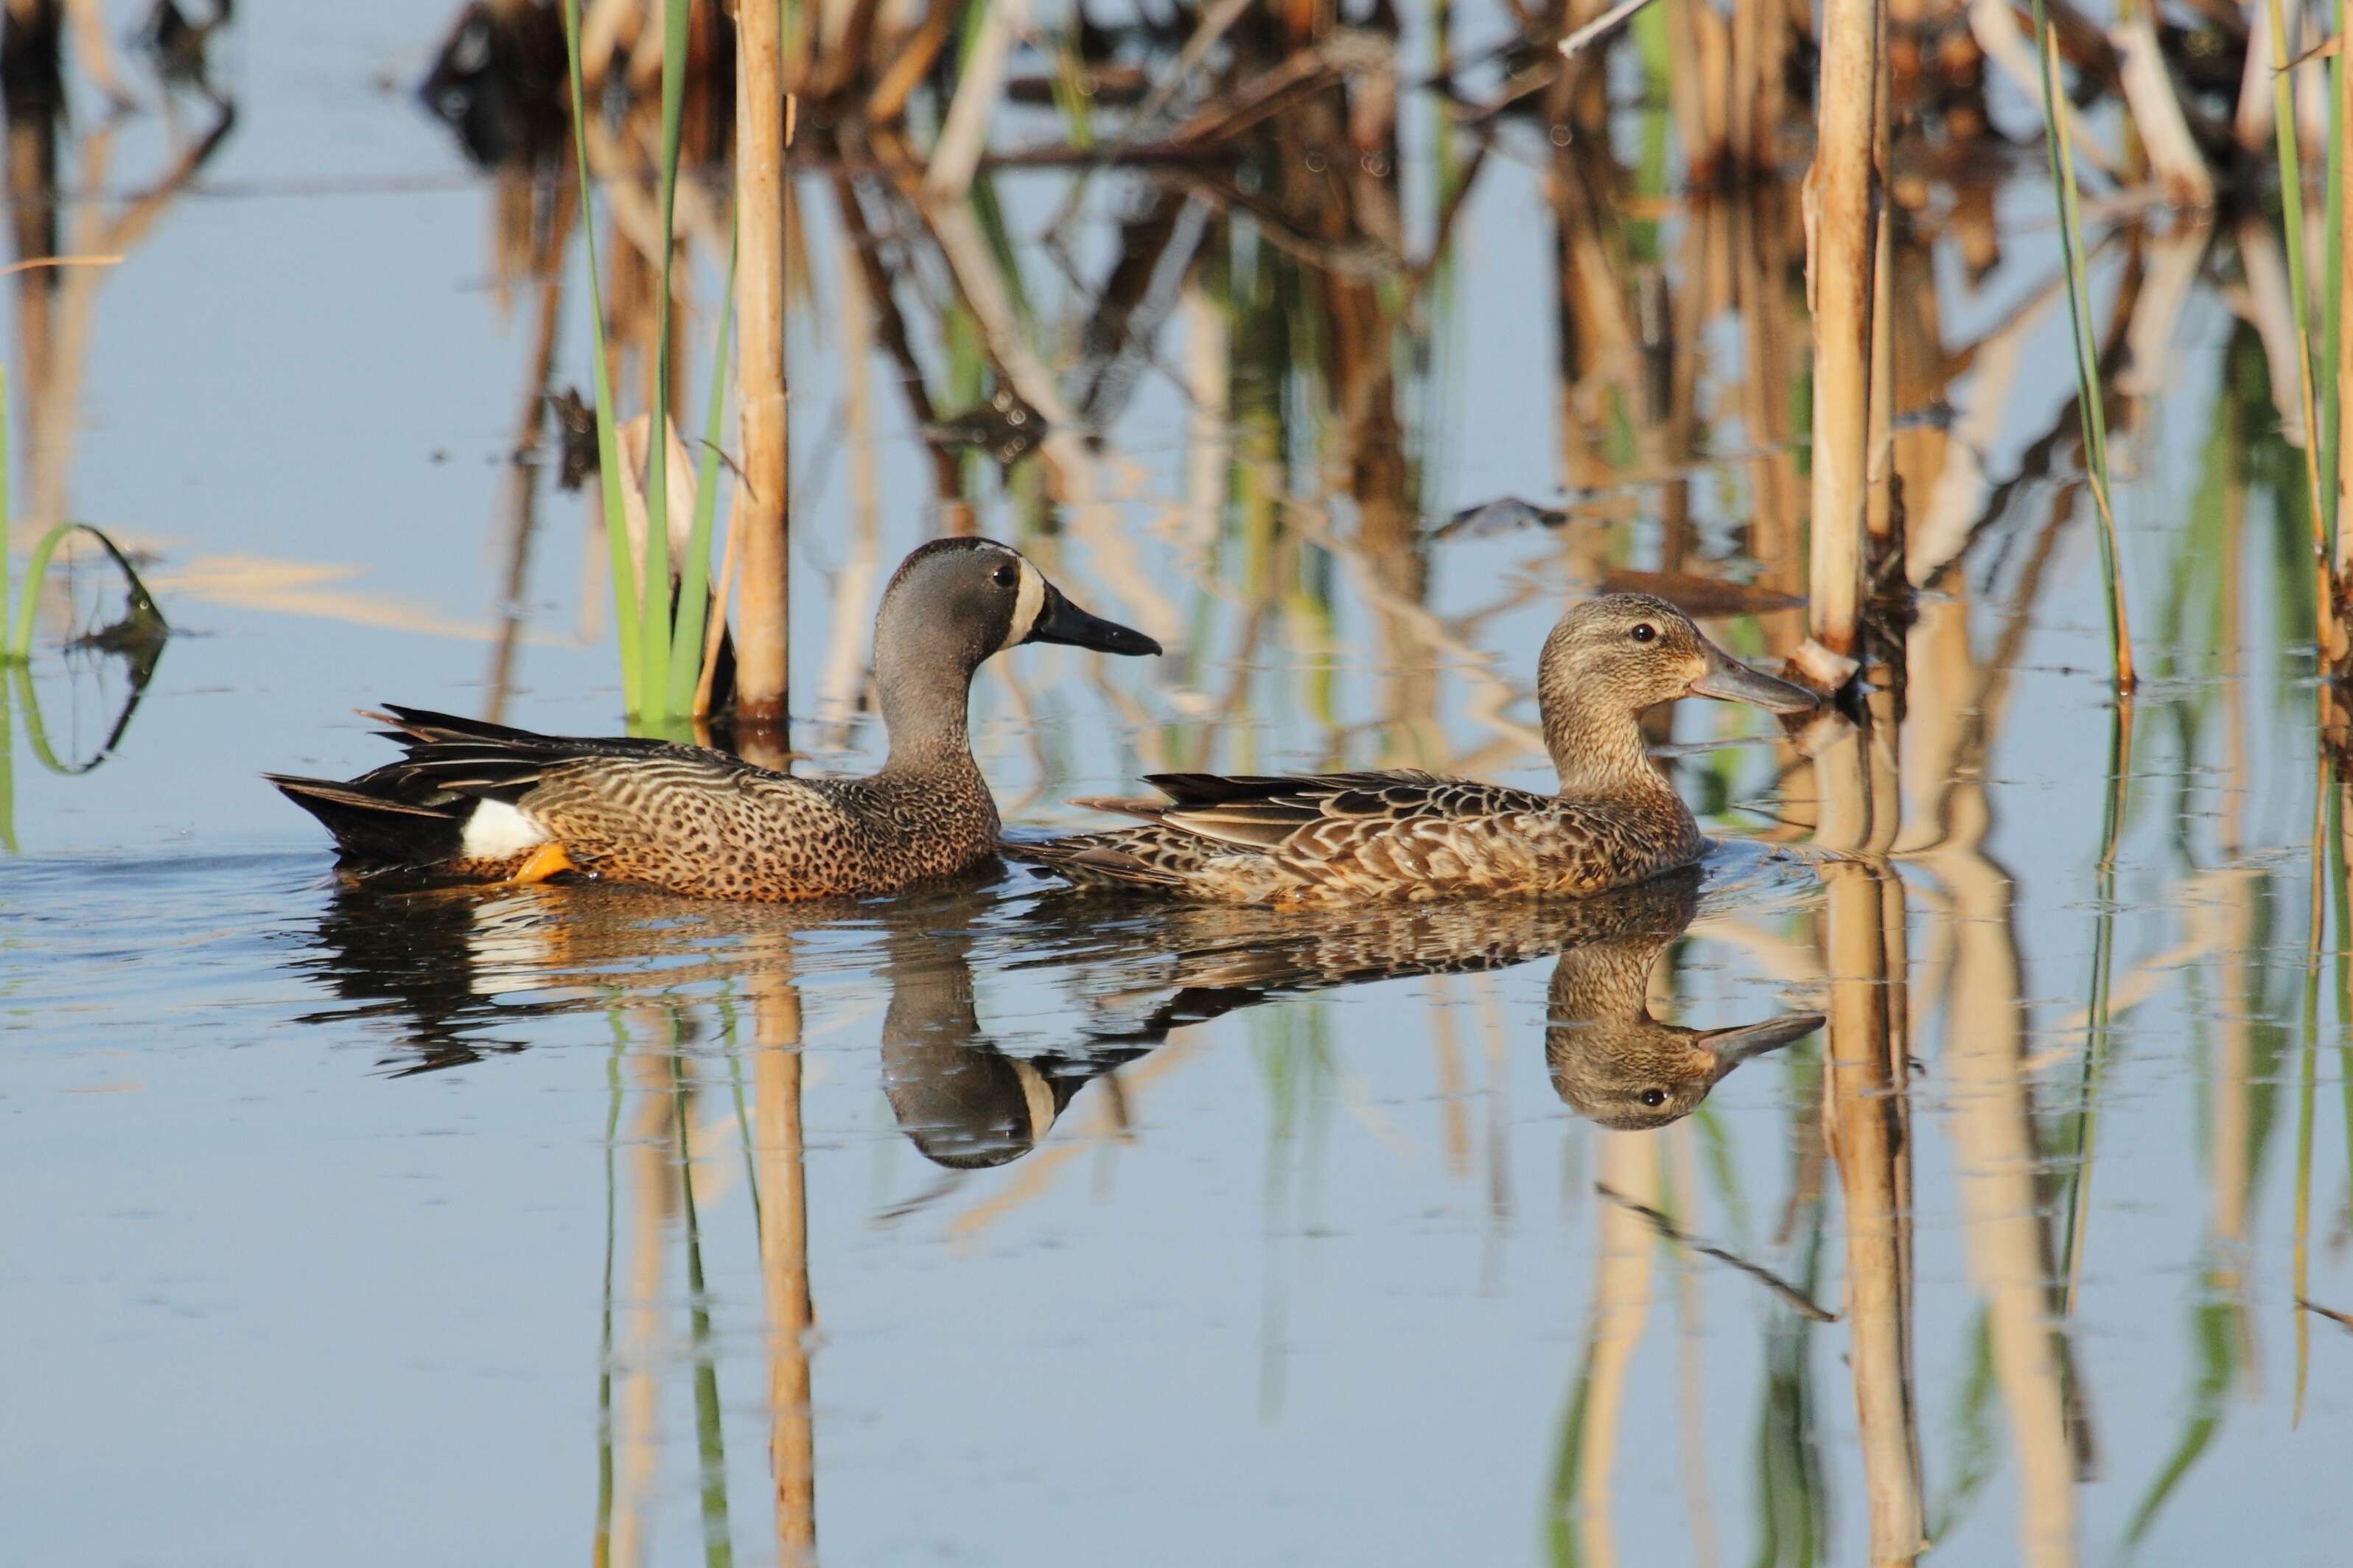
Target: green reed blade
(608,446)
(694,572)
(1561,1500)
(2090,408)
(2306,1093)
(602,1550)
(3,495)
(8,775)
(2217,1367)
(709,1439)
(2096,1047)
(2337,871)
(19,646)
(2332,323)
(2291,172)
(654,633)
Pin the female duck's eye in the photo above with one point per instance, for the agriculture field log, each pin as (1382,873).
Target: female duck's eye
(1005,576)
(1643,632)
(1655,1097)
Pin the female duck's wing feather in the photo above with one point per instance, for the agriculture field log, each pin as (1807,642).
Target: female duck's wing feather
(1363,833)
(1255,811)
(1328,816)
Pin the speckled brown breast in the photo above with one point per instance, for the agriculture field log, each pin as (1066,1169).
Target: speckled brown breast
(744,833)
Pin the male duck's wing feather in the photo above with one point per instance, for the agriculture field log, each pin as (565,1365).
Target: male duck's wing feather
(414,728)
(461,756)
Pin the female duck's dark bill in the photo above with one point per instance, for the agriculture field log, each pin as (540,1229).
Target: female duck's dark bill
(1061,621)
(1732,682)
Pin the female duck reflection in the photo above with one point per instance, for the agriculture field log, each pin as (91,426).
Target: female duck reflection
(964,1101)
(461,968)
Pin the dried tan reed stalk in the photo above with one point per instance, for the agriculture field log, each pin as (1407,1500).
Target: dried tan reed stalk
(1995,26)
(2148,89)
(1866,1114)
(1844,188)
(782,1158)
(964,135)
(763,518)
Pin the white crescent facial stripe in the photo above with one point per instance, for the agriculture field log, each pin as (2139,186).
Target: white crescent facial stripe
(497,830)
(1027,605)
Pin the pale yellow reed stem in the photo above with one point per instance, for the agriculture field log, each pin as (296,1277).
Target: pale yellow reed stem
(784,1250)
(763,518)
(1844,191)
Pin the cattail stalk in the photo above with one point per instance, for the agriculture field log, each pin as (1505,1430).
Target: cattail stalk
(1845,190)
(763,593)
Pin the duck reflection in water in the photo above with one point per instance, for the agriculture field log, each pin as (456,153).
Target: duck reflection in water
(962,1101)
(1611,1062)
(464,970)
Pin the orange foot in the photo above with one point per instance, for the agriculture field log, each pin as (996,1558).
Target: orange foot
(545,861)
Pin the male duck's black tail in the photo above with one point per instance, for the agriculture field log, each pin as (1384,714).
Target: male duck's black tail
(376,828)
(412,814)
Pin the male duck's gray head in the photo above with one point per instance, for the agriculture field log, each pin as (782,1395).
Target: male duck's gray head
(952,604)
(958,601)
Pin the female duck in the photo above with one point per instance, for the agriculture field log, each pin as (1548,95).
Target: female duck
(1337,838)
(484,802)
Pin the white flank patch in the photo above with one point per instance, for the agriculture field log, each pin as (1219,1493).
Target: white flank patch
(1040,1096)
(1026,606)
(497,830)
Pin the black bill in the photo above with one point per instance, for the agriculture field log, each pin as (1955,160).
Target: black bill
(1063,622)
(1732,1046)
(1732,682)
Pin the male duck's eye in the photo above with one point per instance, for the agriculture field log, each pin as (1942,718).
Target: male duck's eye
(1655,1097)
(1005,576)
(1644,632)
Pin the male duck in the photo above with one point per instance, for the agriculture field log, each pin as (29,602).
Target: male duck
(1329,839)
(484,802)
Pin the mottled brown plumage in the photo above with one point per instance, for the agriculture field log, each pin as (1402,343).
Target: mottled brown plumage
(1610,1060)
(481,801)
(1342,837)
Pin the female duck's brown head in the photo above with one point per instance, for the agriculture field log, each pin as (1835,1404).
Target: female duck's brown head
(1610,658)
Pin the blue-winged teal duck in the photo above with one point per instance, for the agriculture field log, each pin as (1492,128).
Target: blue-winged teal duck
(484,802)
(1327,838)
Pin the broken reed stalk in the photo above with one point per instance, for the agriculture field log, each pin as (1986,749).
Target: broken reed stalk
(762,519)
(2090,408)
(1845,190)
(2291,172)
